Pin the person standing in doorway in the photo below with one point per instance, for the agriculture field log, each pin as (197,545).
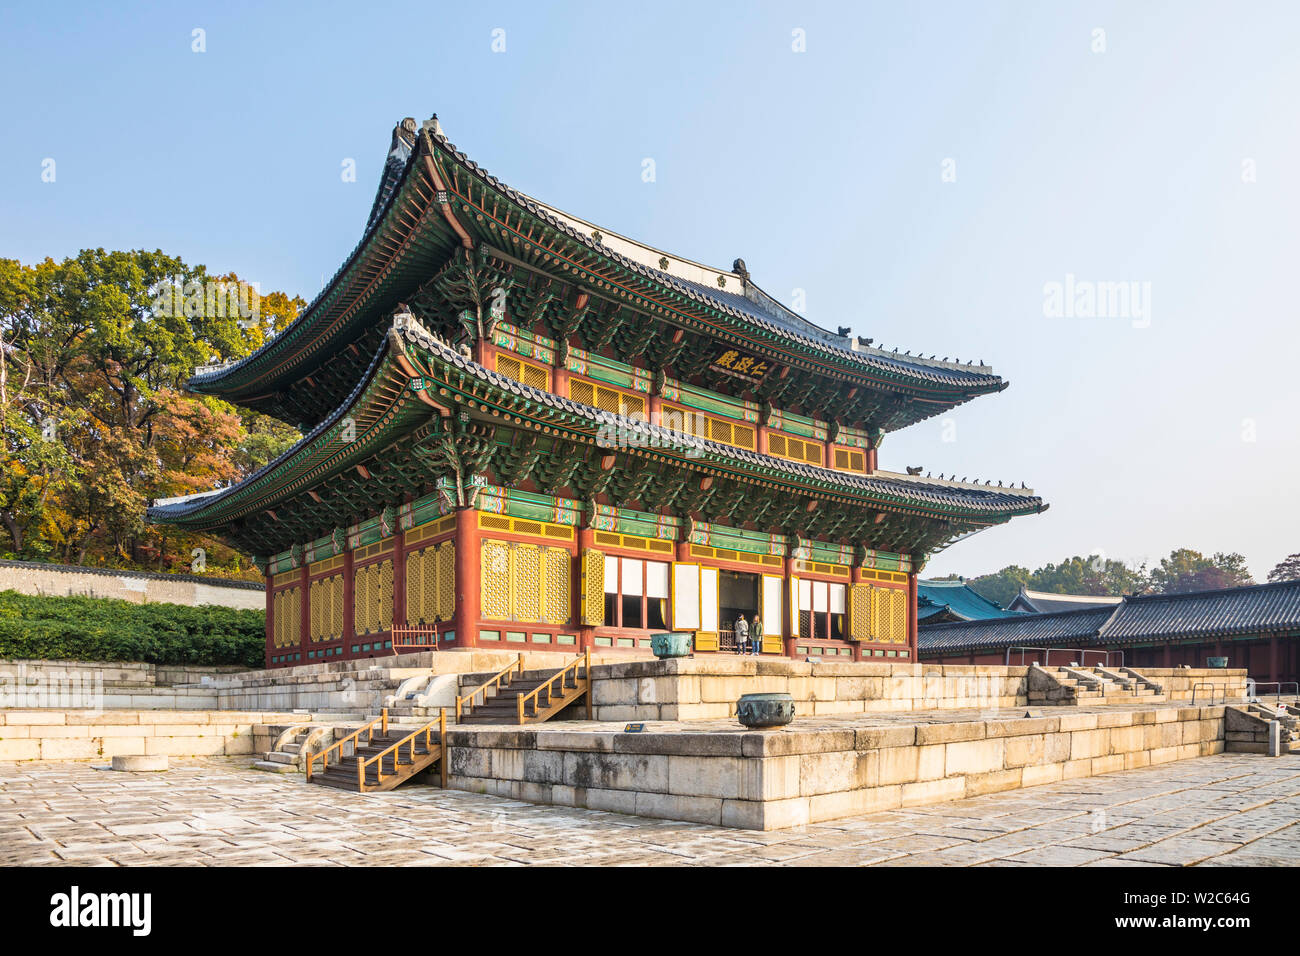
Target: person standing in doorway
(742,634)
(756,636)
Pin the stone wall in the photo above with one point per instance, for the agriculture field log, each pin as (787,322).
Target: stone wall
(1179,683)
(362,686)
(702,688)
(87,735)
(792,777)
(139,587)
(98,685)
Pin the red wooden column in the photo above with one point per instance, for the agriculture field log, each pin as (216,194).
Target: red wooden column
(399,581)
(270,619)
(559,377)
(1168,655)
(304,609)
(1272,659)
(468,578)
(349,603)
(586,633)
(789,615)
(912,640)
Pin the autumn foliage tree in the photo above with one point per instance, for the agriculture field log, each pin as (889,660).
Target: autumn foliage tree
(94,422)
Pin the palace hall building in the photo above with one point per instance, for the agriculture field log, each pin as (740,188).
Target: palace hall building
(523,431)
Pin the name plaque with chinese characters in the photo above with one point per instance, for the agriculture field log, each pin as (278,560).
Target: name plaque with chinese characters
(740,364)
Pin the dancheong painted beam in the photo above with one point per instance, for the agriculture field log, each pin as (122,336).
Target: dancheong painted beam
(525,430)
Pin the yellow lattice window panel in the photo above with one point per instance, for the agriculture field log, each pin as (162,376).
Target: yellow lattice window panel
(849,459)
(557,595)
(415,587)
(897,577)
(781,445)
(314,613)
(286,610)
(860,612)
(593,588)
(385,610)
(634,542)
(534,376)
(361,600)
(608,399)
(820,567)
(495,575)
(446,602)
(336,607)
(373,597)
(327,608)
(693,422)
(525,582)
(423,585)
(888,615)
(540,529)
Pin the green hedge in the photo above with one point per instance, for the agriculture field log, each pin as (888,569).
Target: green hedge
(103,629)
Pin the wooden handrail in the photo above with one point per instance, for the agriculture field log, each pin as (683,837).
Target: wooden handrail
(368,730)
(409,739)
(495,679)
(560,675)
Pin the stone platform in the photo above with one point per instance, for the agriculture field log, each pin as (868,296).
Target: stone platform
(819,768)
(708,686)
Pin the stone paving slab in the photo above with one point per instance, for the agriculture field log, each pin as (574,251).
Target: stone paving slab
(218,811)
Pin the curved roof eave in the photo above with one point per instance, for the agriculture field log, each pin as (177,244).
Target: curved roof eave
(947,500)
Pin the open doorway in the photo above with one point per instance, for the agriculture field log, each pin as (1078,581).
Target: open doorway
(737,594)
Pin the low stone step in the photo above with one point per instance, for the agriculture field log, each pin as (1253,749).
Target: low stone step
(272,767)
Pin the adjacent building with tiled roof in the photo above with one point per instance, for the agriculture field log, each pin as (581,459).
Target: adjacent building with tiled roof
(1256,627)
(1047,602)
(940,602)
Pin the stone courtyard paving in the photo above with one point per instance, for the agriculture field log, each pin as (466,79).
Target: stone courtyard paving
(1232,810)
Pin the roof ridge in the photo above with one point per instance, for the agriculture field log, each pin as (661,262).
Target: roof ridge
(1033,616)
(1236,588)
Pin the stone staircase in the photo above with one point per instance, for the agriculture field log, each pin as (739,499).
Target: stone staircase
(379,756)
(291,745)
(1246,729)
(1071,685)
(515,696)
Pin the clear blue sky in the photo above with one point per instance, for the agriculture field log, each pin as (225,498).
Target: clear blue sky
(822,169)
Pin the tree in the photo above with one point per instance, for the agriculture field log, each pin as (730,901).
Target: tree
(1287,570)
(94,425)
(1188,570)
(1001,587)
(1091,575)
